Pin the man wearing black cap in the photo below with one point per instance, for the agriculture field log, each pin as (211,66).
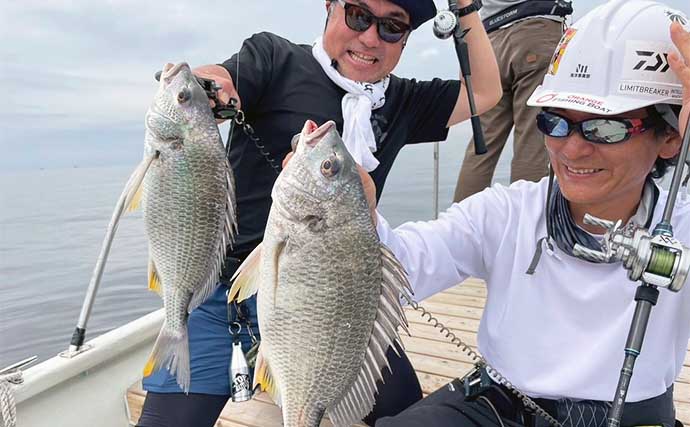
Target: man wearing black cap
(344,76)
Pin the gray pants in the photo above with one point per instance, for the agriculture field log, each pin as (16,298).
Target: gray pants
(523,51)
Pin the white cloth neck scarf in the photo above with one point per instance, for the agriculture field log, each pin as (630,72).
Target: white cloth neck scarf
(357,104)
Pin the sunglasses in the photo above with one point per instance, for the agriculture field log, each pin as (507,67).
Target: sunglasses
(360,19)
(598,131)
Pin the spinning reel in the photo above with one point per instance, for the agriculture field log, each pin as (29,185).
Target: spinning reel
(657,259)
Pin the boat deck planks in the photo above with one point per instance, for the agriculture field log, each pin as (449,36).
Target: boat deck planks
(435,359)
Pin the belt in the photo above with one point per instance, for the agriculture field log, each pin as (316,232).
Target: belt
(658,410)
(655,411)
(526,9)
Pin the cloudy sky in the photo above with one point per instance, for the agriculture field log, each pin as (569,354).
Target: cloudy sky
(78,75)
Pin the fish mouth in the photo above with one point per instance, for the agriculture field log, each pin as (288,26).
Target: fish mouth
(312,133)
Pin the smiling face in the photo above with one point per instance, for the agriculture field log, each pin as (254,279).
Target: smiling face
(600,178)
(363,56)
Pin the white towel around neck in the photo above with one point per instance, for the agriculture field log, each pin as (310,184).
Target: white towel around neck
(361,98)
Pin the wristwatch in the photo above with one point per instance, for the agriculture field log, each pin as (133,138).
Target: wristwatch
(475,6)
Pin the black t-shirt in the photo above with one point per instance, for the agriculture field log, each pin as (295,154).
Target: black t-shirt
(281,86)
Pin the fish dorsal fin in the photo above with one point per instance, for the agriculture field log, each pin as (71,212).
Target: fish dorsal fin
(226,239)
(358,401)
(246,278)
(264,378)
(154,280)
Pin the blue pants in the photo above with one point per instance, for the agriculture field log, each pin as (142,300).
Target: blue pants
(210,346)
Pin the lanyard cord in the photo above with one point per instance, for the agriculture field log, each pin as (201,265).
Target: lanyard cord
(239,120)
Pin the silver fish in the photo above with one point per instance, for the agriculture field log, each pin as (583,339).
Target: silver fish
(188,200)
(328,290)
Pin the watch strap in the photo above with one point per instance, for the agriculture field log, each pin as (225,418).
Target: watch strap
(475,6)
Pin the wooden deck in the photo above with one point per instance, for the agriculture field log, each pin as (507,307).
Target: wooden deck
(436,360)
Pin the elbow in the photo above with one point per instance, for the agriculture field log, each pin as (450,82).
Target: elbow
(489,99)
(492,90)
(496,95)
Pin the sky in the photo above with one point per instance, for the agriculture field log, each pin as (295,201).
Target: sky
(78,75)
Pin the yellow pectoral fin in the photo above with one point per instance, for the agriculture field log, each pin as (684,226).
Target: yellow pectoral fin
(246,278)
(154,280)
(149,367)
(133,189)
(135,203)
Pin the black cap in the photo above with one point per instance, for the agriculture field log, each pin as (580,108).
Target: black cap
(420,11)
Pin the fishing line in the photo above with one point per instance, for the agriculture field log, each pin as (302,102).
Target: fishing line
(239,120)
(232,123)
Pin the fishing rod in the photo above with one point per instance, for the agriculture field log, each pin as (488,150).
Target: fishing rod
(79,335)
(221,111)
(656,260)
(447,24)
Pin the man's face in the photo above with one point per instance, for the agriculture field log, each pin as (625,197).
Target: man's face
(363,56)
(601,175)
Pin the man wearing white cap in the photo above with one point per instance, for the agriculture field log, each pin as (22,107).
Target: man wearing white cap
(555,324)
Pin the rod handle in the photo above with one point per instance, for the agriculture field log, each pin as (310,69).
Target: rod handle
(463,53)
(479,144)
(78,337)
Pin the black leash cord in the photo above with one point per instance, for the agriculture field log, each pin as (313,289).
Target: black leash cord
(248,130)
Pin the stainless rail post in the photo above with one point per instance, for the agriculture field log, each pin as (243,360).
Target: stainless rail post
(437,156)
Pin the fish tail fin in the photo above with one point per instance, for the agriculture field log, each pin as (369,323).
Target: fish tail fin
(171,351)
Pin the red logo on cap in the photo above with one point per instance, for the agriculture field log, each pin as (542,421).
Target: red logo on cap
(546,98)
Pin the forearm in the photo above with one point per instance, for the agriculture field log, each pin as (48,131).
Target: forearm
(486,80)
(435,254)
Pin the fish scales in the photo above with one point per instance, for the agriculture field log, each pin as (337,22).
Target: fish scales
(320,276)
(189,209)
(319,351)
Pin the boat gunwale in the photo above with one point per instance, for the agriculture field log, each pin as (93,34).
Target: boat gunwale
(103,348)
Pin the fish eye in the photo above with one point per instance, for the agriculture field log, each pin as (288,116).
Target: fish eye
(184,96)
(330,167)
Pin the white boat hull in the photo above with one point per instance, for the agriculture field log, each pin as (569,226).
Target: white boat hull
(89,389)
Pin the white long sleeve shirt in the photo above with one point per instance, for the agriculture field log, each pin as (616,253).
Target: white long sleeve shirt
(560,332)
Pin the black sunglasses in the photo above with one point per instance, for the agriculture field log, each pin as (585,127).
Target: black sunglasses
(360,19)
(598,131)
